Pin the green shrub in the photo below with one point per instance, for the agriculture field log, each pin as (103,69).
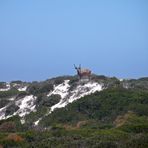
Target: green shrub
(38,88)
(9,93)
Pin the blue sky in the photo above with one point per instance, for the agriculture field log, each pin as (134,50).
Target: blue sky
(40,39)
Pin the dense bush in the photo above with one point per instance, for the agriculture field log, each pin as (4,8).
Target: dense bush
(22,94)
(11,109)
(113,118)
(76,138)
(34,116)
(2,84)
(16,82)
(44,100)
(3,102)
(8,127)
(104,106)
(141,83)
(15,121)
(38,88)
(52,100)
(9,93)
(135,124)
(59,80)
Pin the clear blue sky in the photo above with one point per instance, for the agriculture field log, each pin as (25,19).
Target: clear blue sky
(40,39)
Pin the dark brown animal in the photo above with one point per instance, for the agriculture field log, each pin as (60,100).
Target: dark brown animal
(82,72)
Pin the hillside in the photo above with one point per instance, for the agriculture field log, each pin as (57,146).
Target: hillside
(101,112)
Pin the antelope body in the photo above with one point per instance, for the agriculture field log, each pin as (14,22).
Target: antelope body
(83,72)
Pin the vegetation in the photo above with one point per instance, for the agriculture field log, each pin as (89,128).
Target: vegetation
(37,88)
(3,102)
(113,118)
(103,107)
(9,93)
(45,101)
(2,84)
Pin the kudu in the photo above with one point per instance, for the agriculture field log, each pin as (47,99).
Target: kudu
(83,72)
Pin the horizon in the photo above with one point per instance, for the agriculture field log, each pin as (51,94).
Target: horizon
(119,78)
(43,39)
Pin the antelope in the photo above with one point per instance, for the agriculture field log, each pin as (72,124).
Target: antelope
(82,72)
